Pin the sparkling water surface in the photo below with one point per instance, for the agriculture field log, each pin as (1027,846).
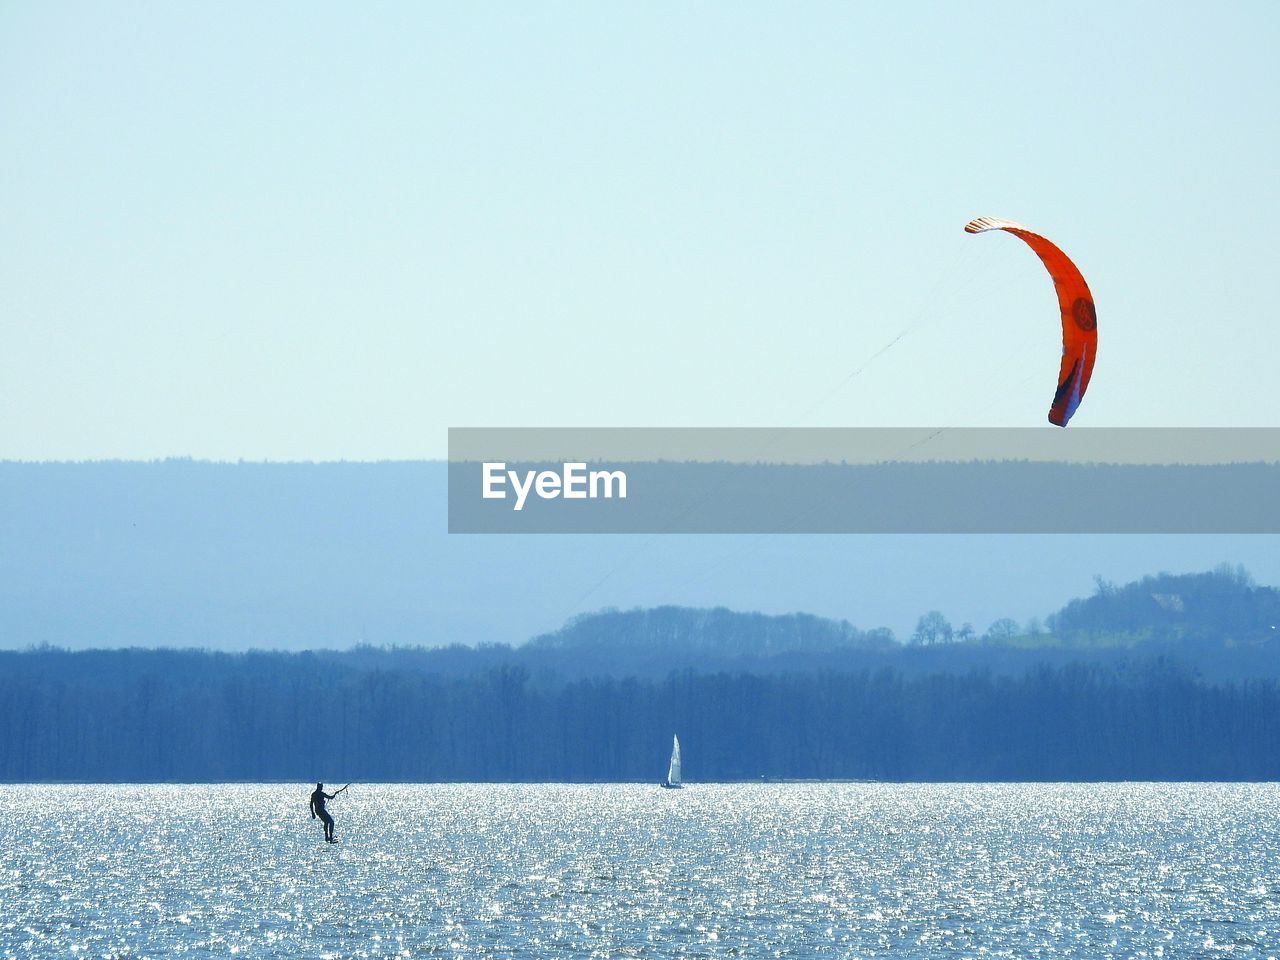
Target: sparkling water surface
(786,870)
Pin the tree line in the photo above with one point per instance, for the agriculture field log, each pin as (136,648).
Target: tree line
(178,716)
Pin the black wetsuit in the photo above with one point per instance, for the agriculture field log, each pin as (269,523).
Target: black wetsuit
(318,797)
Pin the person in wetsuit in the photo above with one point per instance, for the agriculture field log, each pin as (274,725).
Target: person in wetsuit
(318,797)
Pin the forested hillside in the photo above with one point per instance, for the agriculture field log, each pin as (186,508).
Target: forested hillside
(1221,608)
(1167,678)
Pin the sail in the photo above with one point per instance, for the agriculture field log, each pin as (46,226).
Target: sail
(673,772)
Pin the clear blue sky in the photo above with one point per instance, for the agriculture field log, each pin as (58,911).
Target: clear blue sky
(319,231)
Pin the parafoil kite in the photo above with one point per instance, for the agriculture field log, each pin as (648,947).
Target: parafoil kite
(1079,318)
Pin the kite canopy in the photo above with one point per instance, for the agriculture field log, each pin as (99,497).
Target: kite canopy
(1079,318)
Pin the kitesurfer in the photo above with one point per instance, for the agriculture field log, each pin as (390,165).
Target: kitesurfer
(318,797)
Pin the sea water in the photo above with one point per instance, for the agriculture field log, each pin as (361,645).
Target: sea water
(778,870)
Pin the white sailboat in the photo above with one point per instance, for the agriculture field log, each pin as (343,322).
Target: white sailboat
(673,769)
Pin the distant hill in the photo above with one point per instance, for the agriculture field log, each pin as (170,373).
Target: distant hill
(1219,623)
(1221,608)
(717,631)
